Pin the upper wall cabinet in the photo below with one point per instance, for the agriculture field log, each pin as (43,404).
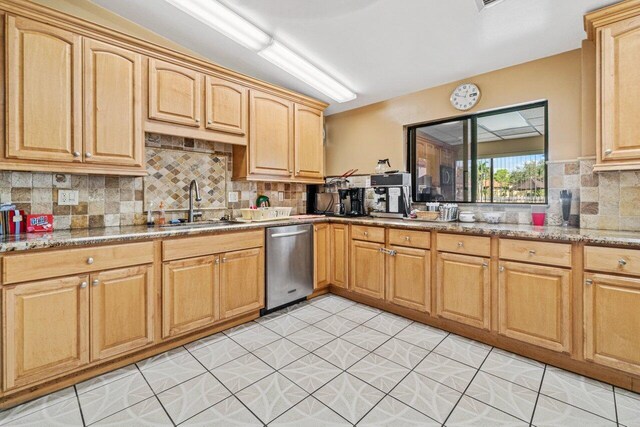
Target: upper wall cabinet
(226,106)
(285,142)
(44,92)
(175,94)
(113,110)
(616,32)
(49,75)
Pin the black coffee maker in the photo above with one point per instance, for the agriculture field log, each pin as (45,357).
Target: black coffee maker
(351,202)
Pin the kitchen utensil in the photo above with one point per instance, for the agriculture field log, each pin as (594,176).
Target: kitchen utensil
(262,201)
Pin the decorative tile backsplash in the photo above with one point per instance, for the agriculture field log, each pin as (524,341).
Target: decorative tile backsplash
(171,172)
(118,201)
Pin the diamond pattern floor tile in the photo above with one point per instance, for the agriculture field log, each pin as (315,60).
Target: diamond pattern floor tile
(334,362)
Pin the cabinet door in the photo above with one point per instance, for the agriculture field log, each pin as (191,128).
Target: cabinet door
(309,151)
(113,105)
(241,282)
(47,329)
(227,106)
(409,278)
(44,92)
(270,135)
(121,311)
(367,268)
(534,305)
(612,321)
(618,103)
(321,254)
(339,255)
(190,291)
(175,93)
(463,289)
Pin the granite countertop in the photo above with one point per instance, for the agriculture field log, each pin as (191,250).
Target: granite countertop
(70,238)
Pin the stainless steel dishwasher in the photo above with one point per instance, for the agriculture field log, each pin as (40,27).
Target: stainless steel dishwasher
(289,264)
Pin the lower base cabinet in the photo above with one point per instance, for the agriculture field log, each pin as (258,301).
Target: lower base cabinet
(409,272)
(367,268)
(464,289)
(122,305)
(241,282)
(534,305)
(190,294)
(321,256)
(612,321)
(47,329)
(339,259)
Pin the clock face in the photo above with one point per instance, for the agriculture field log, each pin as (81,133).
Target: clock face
(465,96)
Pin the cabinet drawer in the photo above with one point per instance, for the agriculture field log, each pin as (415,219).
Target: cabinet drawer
(44,265)
(207,245)
(538,252)
(412,239)
(613,260)
(462,244)
(369,234)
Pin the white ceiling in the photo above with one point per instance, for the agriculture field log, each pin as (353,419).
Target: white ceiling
(379,48)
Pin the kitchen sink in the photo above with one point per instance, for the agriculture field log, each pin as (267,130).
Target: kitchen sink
(198,224)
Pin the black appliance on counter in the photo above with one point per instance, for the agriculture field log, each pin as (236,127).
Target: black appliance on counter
(392,195)
(351,202)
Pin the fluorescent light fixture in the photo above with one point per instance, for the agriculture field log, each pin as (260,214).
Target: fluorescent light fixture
(225,21)
(504,121)
(292,63)
(232,25)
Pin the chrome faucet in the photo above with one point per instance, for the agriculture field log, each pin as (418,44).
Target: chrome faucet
(192,185)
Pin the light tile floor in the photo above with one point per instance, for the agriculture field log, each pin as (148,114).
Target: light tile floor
(332,362)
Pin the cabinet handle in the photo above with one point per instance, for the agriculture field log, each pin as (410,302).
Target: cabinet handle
(209,122)
(217,260)
(407,238)
(95,282)
(608,151)
(83,285)
(588,282)
(76,154)
(501,269)
(87,154)
(485,265)
(90,260)
(366,234)
(224,260)
(460,244)
(197,120)
(532,251)
(622,262)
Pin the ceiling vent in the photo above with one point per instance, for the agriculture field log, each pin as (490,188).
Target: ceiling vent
(483,4)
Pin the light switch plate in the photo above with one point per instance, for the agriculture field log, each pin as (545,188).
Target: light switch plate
(233,196)
(304,196)
(67,197)
(280,196)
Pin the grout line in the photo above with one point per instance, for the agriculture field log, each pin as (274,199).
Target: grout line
(467,387)
(79,405)
(154,395)
(535,405)
(615,405)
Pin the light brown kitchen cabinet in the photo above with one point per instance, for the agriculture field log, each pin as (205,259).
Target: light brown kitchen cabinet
(409,277)
(113,105)
(175,93)
(122,305)
(190,294)
(226,106)
(46,326)
(534,304)
(271,135)
(44,92)
(612,321)
(339,253)
(321,256)
(463,289)
(367,268)
(616,32)
(308,150)
(241,282)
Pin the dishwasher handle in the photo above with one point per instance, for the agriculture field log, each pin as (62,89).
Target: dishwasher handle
(291,233)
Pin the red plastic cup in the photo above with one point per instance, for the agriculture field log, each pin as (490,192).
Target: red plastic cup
(538,218)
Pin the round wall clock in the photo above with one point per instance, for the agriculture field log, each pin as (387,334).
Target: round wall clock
(465,96)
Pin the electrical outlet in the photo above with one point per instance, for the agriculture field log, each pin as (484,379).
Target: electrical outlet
(67,197)
(304,196)
(233,196)
(280,196)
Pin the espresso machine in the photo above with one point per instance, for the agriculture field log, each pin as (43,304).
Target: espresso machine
(392,195)
(351,202)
